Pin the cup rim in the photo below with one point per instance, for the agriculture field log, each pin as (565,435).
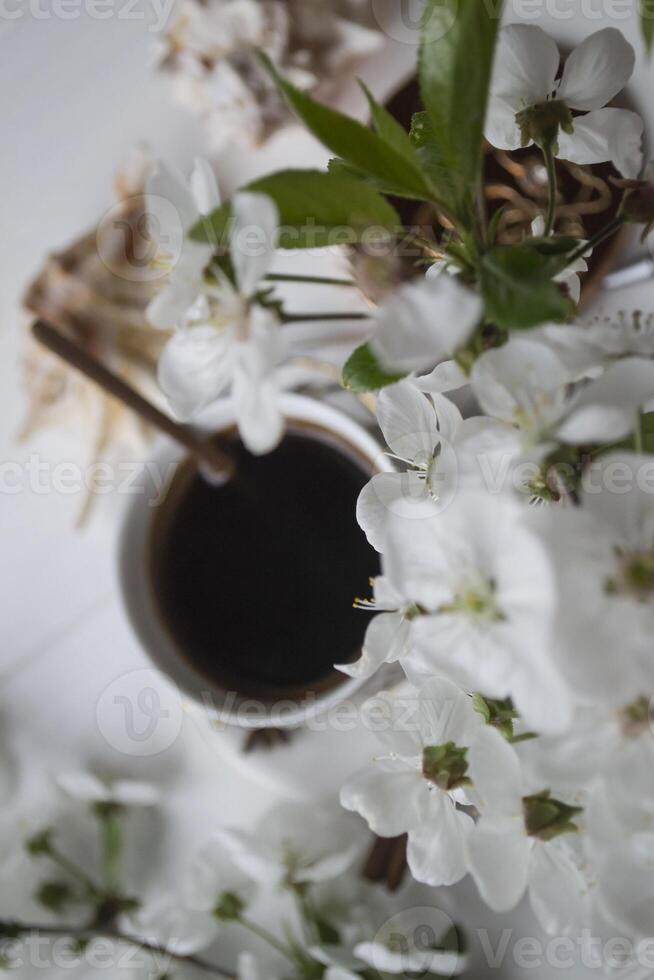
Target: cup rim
(226,707)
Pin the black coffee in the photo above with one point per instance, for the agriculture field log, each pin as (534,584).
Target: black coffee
(255,580)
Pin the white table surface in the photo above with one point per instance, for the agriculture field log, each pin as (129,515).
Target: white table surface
(75,97)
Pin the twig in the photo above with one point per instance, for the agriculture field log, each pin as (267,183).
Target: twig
(87,934)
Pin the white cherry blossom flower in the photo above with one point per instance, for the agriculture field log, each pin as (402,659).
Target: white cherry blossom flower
(603,553)
(387,637)
(424,323)
(529,382)
(606,409)
(621,829)
(441,450)
(526,384)
(415,786)
(483,585)
(173,208)
(525,77)
(189,918)
(296,844)
(587,347)
(229,339)
(507,857)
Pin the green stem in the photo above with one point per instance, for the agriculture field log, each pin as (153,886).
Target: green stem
(302,317)
(551,189)
(74,871)
(483,218)
(73,932)
(317,280)
(112,845)
(267,937)
(614,225)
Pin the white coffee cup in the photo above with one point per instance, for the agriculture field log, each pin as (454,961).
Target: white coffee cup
(227,707)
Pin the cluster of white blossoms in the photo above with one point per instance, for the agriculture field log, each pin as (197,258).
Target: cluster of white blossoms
(325,920)
(209,50)
(521,749)
(517,542)
(226,338)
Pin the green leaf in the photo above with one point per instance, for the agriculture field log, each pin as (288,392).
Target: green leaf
(647,23)
(429,154)
(315,209)
(390,129)
(455,65)
(363,372)
(354,142)
(554,244)
(340,167)
(517,286)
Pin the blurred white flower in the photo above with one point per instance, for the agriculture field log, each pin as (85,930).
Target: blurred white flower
(603,554)
(482,587)
(415,787)
(424,323)
(210,51)
(173,208)
(187,919)
(526,384)
(605,410)
(525,78)
(586,348)
(621,829)
(228,339)
(506,856)
(296,844)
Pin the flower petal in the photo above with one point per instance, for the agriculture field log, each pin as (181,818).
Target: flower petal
(606,135)
(254,386)
(597,70)
(386,640)
(436,852)
(498,857)
(254,238)
(446,376)
(447,714)
(194,368)
(204,187)
(606,408)
(501,128)
(424,323)
(557,890)
(407,420)
(386,496)
(526,62)
(495,771)
(165,187)
(387,801)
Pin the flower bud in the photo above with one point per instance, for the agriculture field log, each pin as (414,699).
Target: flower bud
(229,908)
(546,818)
(445,766)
